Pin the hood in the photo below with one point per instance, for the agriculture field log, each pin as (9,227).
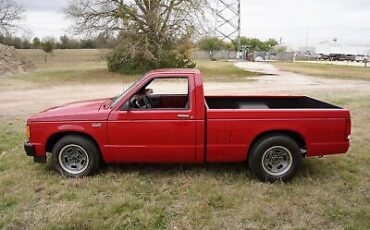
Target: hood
(91,110)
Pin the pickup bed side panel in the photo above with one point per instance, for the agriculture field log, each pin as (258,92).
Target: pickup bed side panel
(231,133)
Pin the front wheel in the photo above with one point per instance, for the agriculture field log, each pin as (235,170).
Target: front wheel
(274,158)
(75,156)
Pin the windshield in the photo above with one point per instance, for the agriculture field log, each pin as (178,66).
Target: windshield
(118,98)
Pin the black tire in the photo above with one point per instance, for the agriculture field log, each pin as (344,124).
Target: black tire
(85,152)
(281,148)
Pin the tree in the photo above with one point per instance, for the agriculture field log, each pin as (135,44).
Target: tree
(271,43)
(26,44)
(153,29)
(36,43)
(104,40)
(48,47)
(228,46)
(10,12)
(13,41)
(255,44)
(211,44)
(87,44)
(64,42)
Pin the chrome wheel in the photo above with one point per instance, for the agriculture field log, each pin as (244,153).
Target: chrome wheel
(73,159)
(277,160)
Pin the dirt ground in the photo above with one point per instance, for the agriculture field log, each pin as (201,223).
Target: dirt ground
(12,62)
(25,100)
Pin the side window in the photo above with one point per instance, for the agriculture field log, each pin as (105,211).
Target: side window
(169,86)
(163,93)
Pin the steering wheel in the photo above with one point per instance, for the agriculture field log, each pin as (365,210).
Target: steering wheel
(148,102)
(140,102)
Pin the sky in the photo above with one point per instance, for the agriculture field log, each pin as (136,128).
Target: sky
(295,21)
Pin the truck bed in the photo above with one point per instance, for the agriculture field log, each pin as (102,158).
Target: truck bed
(266,102)
(234,120)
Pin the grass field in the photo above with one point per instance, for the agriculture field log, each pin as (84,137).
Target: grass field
(328,193)
(326,70)
(88,66)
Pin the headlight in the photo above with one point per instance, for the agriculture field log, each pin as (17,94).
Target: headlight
(28,132)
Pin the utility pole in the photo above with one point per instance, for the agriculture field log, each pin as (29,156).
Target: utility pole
(227,20)
(239,44)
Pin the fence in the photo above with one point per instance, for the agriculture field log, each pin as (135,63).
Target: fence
(220,55)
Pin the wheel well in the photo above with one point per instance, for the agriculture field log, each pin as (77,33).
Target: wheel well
(294,135)
(53,139)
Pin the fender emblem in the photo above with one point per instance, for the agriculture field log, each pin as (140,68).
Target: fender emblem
(96,125)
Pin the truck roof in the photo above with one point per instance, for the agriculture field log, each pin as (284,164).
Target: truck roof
(174,70)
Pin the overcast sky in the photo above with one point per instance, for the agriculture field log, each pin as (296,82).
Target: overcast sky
(322,20)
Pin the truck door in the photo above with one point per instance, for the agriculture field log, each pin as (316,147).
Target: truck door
(156,122)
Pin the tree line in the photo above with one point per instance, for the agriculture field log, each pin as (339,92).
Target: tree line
(249,44)
(105,41)
(64,42)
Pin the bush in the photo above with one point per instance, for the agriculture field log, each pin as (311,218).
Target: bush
(136,54)
(178,58)
(211,44)
(119,61)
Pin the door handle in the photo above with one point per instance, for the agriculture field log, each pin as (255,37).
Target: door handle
(183,116)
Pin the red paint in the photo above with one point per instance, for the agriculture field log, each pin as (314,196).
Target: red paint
(211,135)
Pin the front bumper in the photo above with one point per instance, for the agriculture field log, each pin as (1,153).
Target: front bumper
(30,151)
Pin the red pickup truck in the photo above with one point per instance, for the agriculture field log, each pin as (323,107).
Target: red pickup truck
(165,118)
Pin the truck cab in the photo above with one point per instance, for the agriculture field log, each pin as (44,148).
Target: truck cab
(165,125)
(164,117)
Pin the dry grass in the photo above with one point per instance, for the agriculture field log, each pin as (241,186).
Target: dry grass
(326,70)
(222,71)
(88,66)
(65,66)
(328,193)
(64,56)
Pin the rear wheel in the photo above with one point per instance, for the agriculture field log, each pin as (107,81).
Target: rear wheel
(274,158)
(75,156)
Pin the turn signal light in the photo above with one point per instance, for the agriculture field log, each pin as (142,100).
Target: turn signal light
(28,132)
